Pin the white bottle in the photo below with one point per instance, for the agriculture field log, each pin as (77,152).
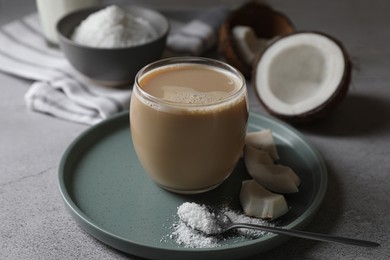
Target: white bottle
(50,11)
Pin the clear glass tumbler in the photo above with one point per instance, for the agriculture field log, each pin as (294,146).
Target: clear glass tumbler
(188,119)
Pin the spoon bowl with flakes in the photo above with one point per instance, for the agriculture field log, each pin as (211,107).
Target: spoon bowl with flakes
(200,218)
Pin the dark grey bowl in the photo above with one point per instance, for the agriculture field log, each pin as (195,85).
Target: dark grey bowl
(115,66)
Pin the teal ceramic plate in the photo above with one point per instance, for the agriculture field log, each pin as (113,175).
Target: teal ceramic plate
(110,196)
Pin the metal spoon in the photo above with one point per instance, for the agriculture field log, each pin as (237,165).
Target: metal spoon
(224,223)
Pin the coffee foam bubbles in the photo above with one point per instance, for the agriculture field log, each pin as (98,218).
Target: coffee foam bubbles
(183,95)
(195,102)
(193,98)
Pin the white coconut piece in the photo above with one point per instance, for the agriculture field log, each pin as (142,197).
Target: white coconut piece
(274,177)
(264,20)
(248,44)
(257,156)
(261,203)
(263,140)
(301,75)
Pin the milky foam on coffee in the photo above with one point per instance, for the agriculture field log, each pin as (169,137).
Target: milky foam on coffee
(190,85)
(191,96)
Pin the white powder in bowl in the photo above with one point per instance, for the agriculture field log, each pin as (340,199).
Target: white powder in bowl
(113,27)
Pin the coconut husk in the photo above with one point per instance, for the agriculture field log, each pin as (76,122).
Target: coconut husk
(266,22)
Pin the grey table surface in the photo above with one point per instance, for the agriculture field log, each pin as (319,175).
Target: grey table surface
(354,140)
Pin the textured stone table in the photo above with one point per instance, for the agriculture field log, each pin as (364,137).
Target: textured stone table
(354,141)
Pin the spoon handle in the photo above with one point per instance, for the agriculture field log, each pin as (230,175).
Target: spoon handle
(307,235)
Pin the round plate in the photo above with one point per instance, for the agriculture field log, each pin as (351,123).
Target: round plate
(108,193)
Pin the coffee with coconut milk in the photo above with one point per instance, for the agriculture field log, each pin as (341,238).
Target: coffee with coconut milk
(188,122)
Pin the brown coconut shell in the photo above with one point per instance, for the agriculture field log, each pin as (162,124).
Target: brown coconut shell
(266,23)
(324,108)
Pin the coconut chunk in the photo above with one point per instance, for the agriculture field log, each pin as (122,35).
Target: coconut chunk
(263,140)
(257,156)
(261,203)
(274,177)
(248,44)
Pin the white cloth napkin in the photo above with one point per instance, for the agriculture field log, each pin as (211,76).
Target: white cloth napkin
(59,90)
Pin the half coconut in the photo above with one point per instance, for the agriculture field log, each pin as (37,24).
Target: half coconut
(301,76)
(263,21)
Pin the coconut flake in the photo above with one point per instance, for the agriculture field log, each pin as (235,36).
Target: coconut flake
(198,217)
(188,237)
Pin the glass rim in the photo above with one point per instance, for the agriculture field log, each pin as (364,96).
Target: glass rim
(188,60)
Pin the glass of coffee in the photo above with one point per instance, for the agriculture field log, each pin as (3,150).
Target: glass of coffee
(188,119)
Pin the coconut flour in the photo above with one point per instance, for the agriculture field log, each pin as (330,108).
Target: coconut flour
(198,217)
(113,27)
